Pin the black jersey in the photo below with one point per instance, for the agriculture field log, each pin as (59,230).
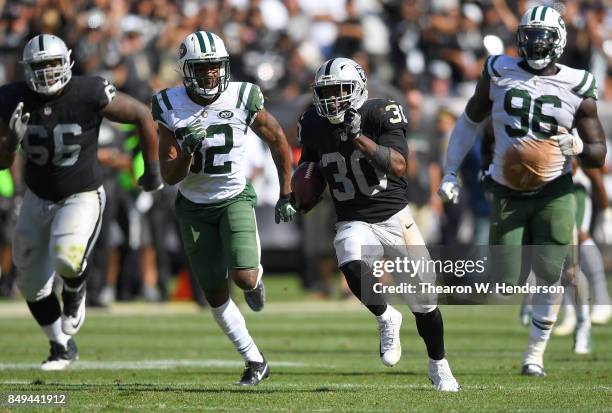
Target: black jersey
(360,191)
(62,137)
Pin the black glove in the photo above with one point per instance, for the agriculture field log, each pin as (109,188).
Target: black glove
(151,178)
(352,123)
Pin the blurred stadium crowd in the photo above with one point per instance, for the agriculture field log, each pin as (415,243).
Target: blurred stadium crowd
(424,54)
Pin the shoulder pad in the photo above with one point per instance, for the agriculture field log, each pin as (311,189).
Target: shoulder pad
(489,70)
(160,103)
(383,114)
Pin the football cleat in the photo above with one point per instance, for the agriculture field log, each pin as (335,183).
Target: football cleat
(568,325)
(601,314)
(441,376)
(582,339)
(60,357)
(73,314)
(389,329)
(533,370)
(254,372)
(256,297)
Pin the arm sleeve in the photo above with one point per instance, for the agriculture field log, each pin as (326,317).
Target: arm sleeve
(461,141)
(308,153)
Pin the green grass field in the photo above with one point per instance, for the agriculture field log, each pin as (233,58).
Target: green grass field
(323,356)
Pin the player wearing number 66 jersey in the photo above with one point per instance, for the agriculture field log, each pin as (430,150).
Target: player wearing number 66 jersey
(536,105)
(361,149)
(203,128)
(56,118)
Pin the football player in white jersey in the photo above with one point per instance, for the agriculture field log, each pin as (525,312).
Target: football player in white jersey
(203,127)
(534,103)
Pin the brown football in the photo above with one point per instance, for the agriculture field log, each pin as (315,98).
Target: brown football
(307,185)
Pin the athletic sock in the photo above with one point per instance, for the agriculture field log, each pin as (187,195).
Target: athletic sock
(74,284)
(545,310)
(352,273)
(431,329)
(233,325)
(591,263)
(47,313)
(581,300)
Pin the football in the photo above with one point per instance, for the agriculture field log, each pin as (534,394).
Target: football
(307,185)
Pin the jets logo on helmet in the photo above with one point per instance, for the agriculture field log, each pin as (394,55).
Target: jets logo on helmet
(339,84)
(541,36)
(204,64)
(47,64)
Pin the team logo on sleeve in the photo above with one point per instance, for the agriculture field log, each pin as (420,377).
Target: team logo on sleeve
(226,114)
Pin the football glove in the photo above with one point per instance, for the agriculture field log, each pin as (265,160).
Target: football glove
(569,144)
(284,211)
(352,123)
(18,125)
(449,189)
(193,135)
(151,178)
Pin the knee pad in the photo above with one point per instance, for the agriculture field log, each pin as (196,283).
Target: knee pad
(68,266)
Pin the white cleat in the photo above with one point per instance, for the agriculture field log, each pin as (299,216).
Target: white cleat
(389,329)
(441,376)
(568,325)
(582,339)
(60,357)
(73,313)
(601,314)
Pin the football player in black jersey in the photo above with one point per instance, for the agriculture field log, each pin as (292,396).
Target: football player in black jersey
(360,146)
(56,117)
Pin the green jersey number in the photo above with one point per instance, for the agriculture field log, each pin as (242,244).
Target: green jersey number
(208,160)
(526,110)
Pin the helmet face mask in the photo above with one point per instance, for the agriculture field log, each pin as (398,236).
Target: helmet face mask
(339,84)
(204,64)
(541,36)
(46,61)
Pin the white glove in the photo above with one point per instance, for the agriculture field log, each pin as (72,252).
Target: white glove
(569,144)
(18,125)
(449,189)
(603,227)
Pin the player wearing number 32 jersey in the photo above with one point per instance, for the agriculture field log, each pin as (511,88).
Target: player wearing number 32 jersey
(361,149)
(203,128)
(543,113)
(56,118)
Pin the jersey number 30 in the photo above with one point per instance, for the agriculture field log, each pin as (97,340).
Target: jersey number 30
(344,189)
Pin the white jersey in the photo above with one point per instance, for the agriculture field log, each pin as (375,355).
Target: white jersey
(527,110)
(217,170)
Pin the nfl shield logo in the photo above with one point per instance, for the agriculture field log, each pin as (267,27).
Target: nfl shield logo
(47,110)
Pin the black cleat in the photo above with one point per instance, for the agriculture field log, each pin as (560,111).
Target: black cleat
(254,372)
(256,297)
(533,370)
(73,314)
(60,356)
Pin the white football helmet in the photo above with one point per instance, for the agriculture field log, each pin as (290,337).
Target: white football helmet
(203,47)
(44,48)
(541,36)
(350,83)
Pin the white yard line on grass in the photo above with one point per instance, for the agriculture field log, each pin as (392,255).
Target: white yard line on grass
(152,364)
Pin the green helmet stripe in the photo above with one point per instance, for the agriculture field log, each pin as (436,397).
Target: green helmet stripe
(533,13)
(201,41)
(211,41)
(543,13)
(240,94)
(581,84)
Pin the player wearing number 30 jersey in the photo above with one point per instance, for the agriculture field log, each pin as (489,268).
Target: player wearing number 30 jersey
(361,149)
(56,117)
(203,128)
(543,113)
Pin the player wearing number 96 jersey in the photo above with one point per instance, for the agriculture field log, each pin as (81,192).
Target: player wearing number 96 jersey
(56,118)
(203,127)
(543,113)
(361,149)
